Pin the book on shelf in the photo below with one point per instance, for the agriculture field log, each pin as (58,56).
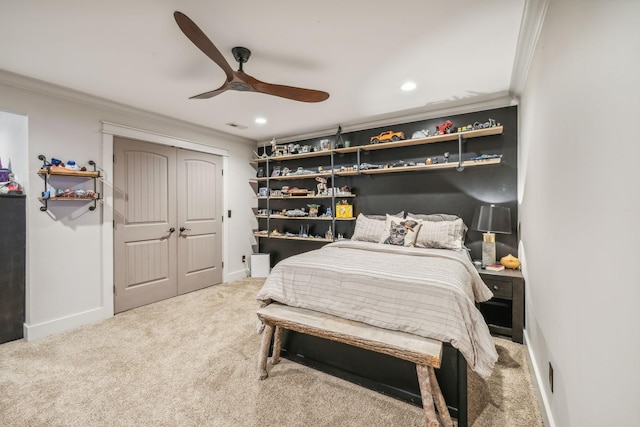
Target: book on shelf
(495,267)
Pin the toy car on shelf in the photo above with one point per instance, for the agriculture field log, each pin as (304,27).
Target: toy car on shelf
(488,124)
(386,137)
(446,127)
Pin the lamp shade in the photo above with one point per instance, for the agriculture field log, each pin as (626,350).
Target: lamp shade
(492,219)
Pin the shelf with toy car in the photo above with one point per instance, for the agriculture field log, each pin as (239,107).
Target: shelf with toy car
(477,133)
(293,176)
(286,157)
(56,168)
(302,197)
(413,168)
(317,218)
(287,237)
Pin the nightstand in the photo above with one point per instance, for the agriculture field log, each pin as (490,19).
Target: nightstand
(504,313)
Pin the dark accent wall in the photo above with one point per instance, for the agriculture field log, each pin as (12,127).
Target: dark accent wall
(432,191)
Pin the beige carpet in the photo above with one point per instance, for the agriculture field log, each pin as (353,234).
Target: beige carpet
(191,361)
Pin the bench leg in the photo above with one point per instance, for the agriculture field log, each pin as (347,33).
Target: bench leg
(264,351)
(427,397)
(277,346)
(443,410)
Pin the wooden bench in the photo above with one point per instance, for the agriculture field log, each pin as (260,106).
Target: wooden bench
(425,353)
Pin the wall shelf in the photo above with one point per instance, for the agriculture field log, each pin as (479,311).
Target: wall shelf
(48,170)
(291,177)
(450,165)
(308,218)
(347,169)
(294,156)
(303,197)
(283,237)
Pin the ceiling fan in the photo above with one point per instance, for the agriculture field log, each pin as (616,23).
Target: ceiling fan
(239,80)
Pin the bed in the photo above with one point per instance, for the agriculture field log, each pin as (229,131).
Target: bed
(426,285)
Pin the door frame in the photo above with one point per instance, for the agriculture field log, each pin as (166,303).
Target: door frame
(109,130)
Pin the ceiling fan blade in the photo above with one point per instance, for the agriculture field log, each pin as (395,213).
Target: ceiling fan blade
(195,34)
(289,92)
(211,93)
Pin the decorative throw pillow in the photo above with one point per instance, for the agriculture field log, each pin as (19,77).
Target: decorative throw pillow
(442,234)
(401,232)
(368,230)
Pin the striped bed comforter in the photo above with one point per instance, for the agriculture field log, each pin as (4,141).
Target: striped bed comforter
(426,292)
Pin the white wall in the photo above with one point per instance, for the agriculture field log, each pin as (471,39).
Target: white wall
(578,182)
(66,254)
(13,144)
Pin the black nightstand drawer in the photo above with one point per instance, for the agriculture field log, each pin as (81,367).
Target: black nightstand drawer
(500,288)
(508,299)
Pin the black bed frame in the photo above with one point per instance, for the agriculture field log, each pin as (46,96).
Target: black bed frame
(398,378)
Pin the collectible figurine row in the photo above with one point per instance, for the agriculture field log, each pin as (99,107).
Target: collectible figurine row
(446,127)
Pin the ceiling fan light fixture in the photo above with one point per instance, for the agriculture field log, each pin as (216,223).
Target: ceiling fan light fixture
(408,86)
(239,80)
(261,120)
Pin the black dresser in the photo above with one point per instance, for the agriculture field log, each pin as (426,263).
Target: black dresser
(12,266)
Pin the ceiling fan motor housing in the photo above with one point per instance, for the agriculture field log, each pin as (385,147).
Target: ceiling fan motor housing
(241,54)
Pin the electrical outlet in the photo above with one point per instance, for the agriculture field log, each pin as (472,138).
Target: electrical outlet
(244,258)
(551,377)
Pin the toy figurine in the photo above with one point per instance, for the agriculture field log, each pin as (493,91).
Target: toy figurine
(313,210)
(322,185)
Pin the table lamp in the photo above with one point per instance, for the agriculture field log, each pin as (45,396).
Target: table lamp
(490,220)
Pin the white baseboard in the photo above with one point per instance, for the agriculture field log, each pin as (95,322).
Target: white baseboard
(543,397)
(232,276)
(63,324)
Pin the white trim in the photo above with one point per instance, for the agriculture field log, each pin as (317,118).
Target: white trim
(158,138)
(236,275)
(106,173)
(430,111)
(530,28)
(109,130)
(63,324)
(27,83)
(545,406)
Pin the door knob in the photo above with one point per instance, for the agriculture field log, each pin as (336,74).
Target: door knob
(184,229)
(171,230)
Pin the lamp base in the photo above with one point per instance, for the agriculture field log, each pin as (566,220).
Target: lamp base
(488,249)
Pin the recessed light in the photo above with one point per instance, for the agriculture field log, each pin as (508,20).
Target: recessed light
(261,120)
(407,86)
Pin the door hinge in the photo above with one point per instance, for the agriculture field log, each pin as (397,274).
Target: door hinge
(223,264)
(222,172)
(114,158)
(114,223)
(114,289)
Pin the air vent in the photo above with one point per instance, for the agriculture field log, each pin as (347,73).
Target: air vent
(235,125)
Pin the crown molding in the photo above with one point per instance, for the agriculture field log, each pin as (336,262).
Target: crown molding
(49,89)
(531,26)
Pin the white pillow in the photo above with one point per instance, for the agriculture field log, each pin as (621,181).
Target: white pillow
(370,229)
(367,229)
(434,217)
(400,232)
(442,234)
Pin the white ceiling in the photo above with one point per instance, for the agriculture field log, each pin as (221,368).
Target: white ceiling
(360,51)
